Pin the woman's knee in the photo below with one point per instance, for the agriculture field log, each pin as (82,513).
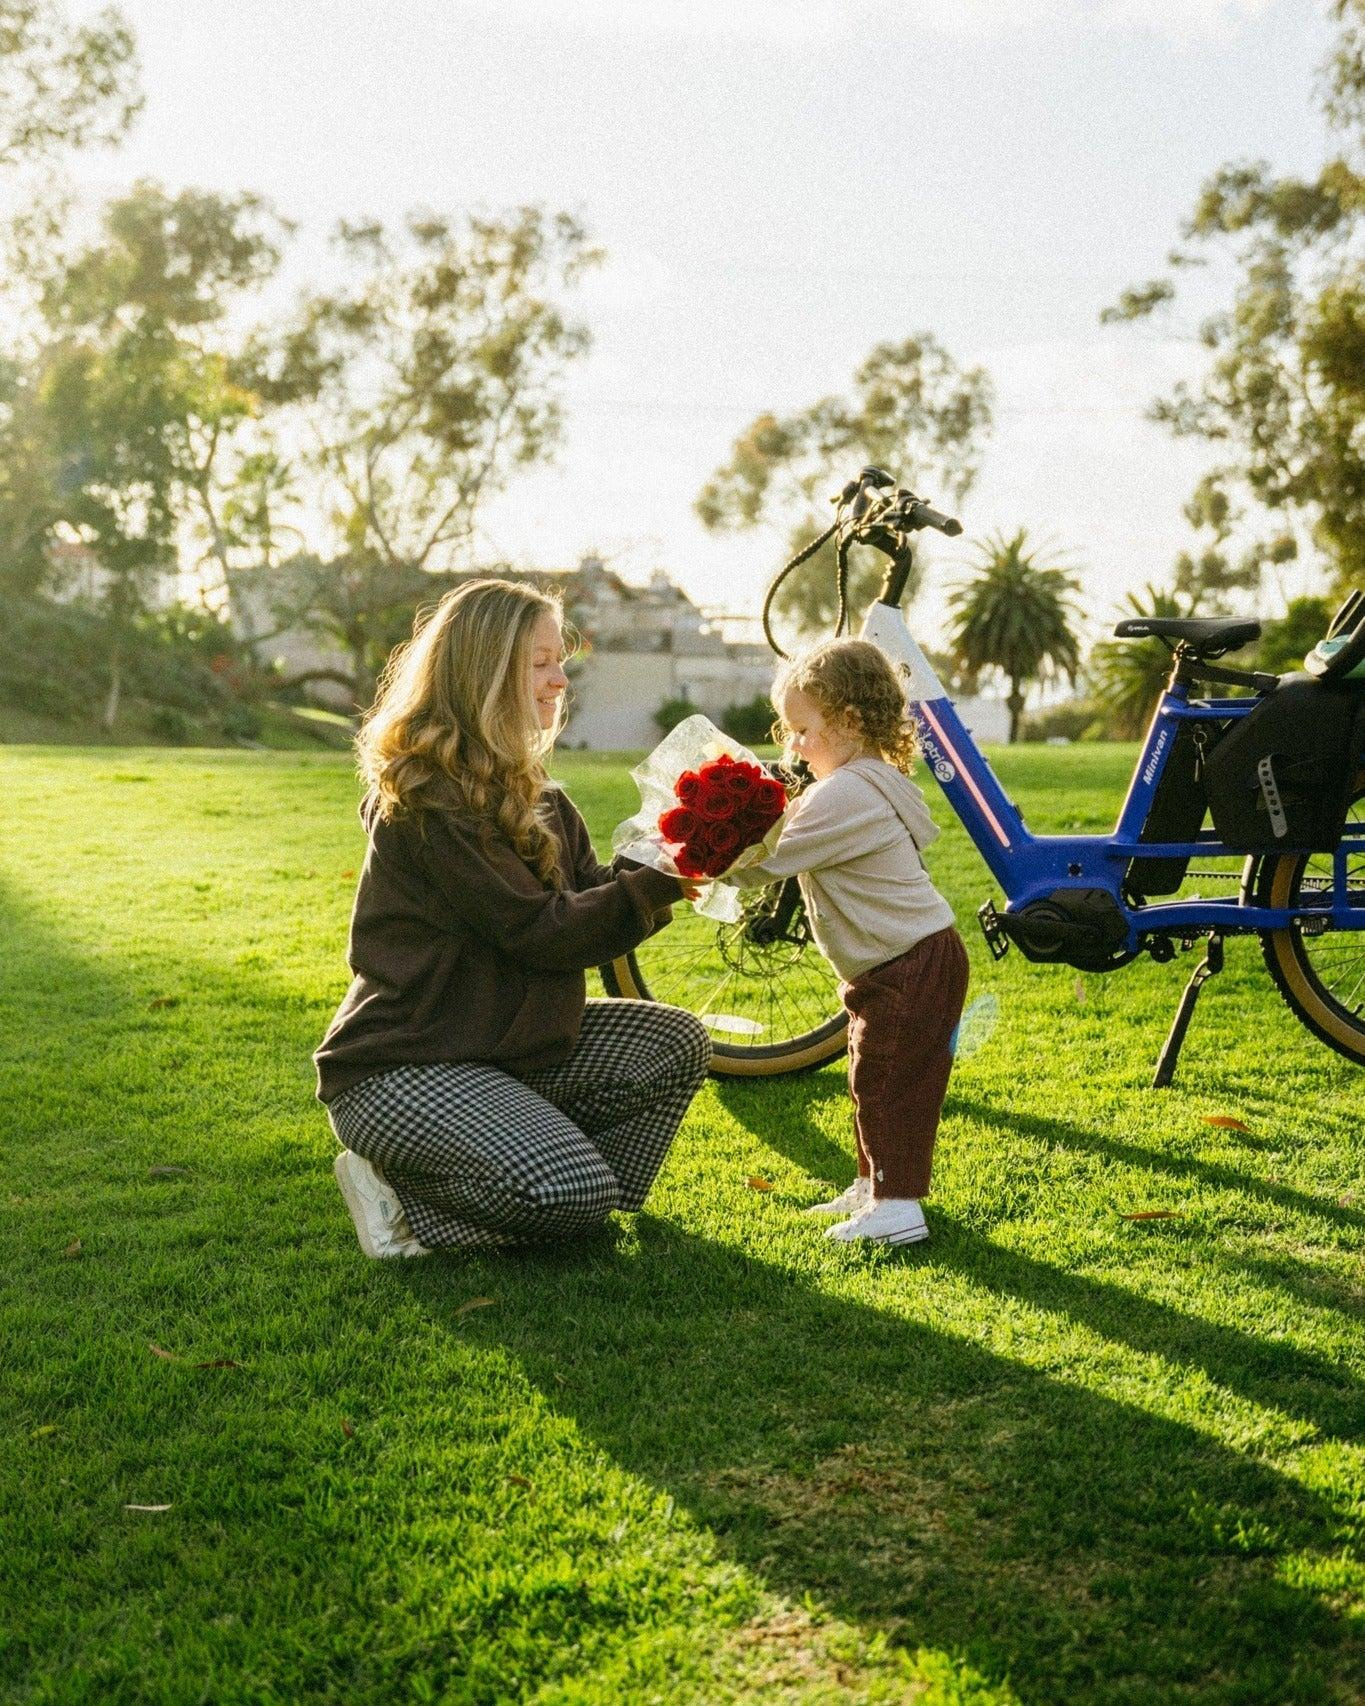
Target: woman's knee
(689,1044)
(569,1202)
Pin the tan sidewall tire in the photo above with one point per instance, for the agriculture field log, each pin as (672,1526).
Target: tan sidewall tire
(1281,947)
(727,1061)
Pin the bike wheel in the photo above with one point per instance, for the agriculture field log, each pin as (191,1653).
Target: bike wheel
(761,987)
(1320,973)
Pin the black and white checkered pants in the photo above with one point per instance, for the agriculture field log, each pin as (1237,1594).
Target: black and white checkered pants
(479,1158)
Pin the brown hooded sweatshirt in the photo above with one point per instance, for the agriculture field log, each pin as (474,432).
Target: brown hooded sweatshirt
(461,952)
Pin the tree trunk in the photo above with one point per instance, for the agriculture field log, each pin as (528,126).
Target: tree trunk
(1015,702)
(111,701)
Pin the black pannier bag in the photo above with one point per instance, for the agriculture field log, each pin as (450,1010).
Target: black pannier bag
(1281,777)
(1179,804)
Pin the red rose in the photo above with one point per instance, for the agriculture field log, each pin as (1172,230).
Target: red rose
(726,839)
(687,787)
(771,794)
(678,824)
(741,780)
(691,864)
(753,824)
(713,799)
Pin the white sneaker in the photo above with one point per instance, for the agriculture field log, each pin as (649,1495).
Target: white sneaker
(857,1196)
(380,1224)
(893,1220)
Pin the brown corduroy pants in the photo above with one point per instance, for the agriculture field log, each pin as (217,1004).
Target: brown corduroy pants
(901,1017)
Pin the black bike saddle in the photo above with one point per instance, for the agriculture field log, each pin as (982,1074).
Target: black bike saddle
(1205,636)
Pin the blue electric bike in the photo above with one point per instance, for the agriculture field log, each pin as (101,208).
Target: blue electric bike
(1272,774)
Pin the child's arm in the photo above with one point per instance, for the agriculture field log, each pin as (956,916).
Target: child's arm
(827,825)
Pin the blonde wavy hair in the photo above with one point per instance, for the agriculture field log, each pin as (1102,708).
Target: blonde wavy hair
(453,725)
(856,688)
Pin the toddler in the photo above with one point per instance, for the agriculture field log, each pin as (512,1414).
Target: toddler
(853,840)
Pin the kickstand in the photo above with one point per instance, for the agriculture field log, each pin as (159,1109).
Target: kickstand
(1170,1053)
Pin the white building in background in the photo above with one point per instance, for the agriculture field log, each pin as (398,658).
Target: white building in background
(641,646)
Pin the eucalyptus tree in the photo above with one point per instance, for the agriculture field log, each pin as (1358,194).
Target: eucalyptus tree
(1282,397)
(1015,615)
(913,410)
(63,84)
(420,386)
(141,381)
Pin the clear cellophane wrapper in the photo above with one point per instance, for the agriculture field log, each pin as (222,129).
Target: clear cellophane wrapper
(694,742)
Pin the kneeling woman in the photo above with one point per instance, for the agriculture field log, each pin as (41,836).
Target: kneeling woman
(481,1098)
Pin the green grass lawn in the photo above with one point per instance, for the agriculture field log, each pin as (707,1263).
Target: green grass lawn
(1053,1455)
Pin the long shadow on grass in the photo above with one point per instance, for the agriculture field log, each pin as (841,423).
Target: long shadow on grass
(1160,1160)
(920,1485)
(784,1110)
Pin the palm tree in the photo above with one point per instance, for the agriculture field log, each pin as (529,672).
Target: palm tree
(1127,676)
(1015,616)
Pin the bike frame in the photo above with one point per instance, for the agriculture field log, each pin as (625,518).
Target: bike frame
(1029,866)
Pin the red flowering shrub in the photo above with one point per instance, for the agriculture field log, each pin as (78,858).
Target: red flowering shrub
(722,808)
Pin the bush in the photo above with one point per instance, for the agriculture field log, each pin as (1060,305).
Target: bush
(672,712)
(56,662)
(751,724)
(1075,719)
(171,724)
(242,722)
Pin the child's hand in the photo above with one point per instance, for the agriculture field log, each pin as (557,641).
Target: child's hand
(690,889)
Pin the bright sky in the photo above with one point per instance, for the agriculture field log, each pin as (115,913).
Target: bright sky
(779,184)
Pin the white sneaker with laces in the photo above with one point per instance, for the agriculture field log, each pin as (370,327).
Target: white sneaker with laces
(380,1224)
(893,1220)
(857,1196)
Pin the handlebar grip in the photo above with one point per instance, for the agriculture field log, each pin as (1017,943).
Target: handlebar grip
(922,516)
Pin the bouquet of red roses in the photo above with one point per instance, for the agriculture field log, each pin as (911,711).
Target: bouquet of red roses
(723,808)
(707,806)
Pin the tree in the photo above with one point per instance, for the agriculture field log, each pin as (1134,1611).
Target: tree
(1015,616)
(914,411)
(1127,676)
(63,85)
(139,381)
(423,385)
(29,505)
(1284,391)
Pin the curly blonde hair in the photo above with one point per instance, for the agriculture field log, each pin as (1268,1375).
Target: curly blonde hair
(855,687)
(453,725)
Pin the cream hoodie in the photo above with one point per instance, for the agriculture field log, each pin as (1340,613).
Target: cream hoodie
(853,842)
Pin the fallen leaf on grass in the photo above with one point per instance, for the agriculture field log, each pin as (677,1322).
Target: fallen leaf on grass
(47,1428)
(146,1507)
(1155,1214)
(168,1172)
(518,1480)
(171,1356)
(73,1248)
(757,1184)
(347,1429)
(348,874)
(1346,1199)
(1226,1122)
(474,1303)
(1080,990)
(163,1001)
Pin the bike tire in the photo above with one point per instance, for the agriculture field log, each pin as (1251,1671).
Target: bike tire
(1321,977)
(792,987)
